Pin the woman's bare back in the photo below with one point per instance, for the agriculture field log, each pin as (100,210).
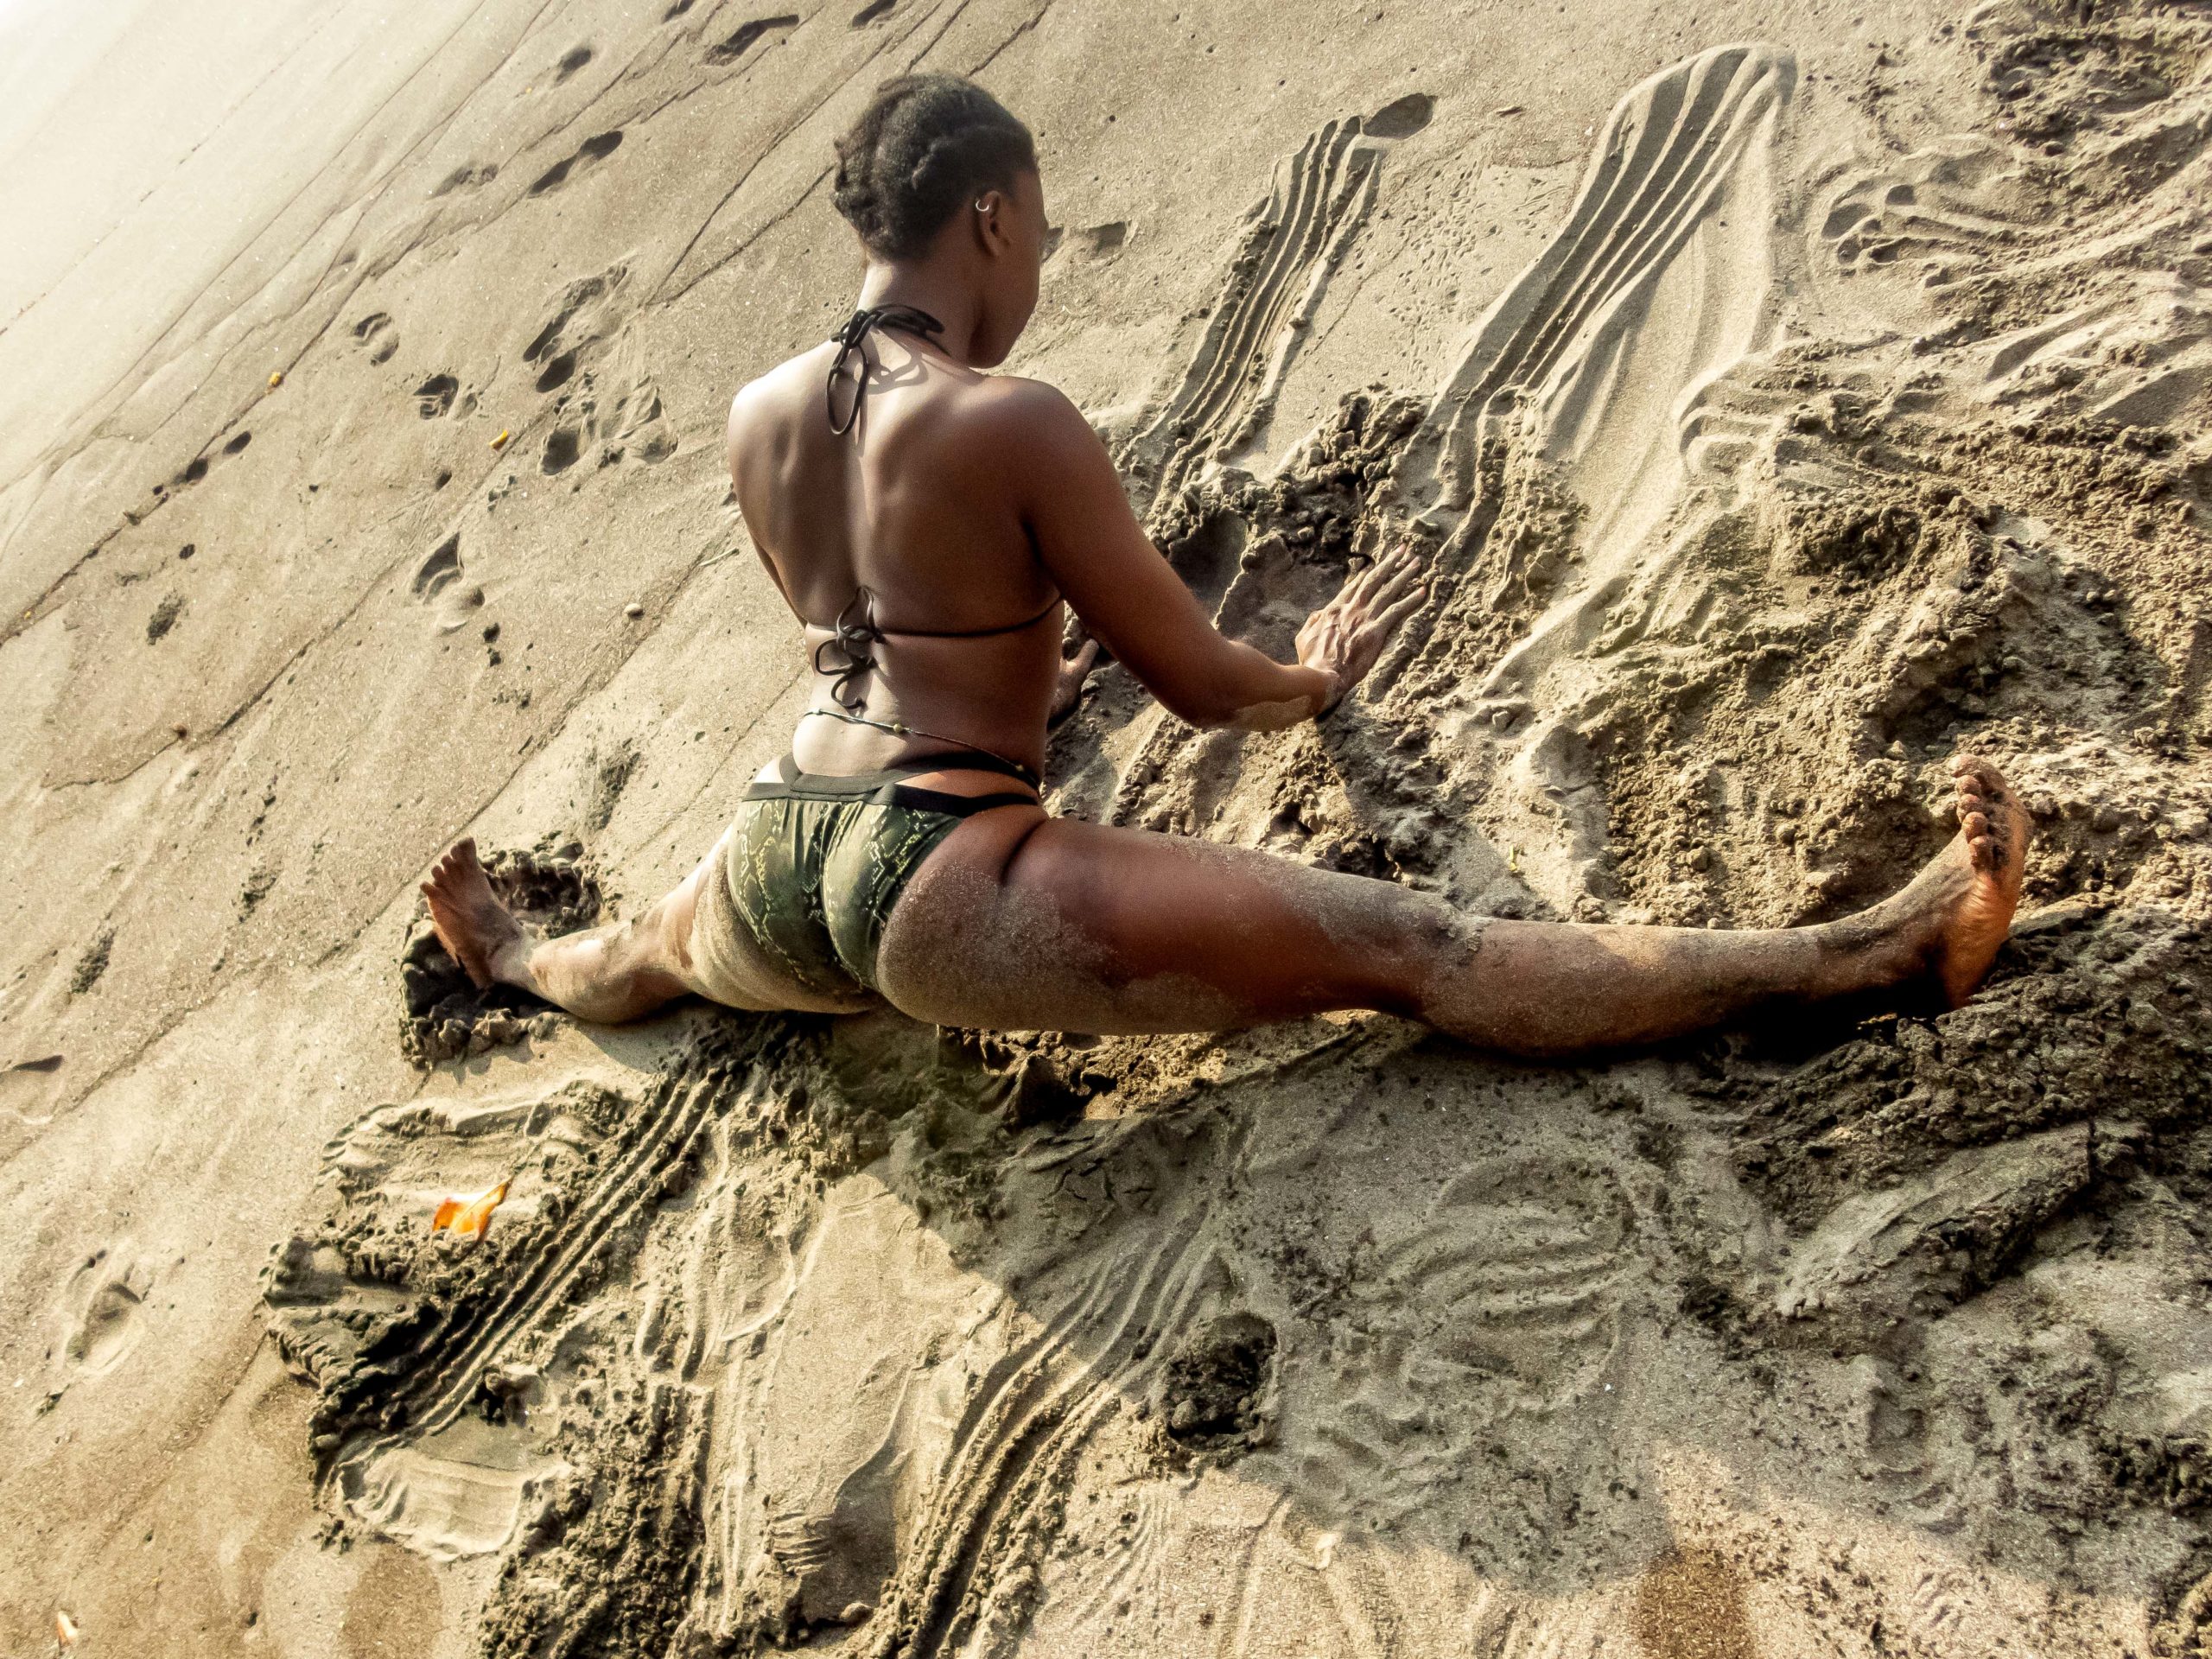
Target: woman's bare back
(915,504)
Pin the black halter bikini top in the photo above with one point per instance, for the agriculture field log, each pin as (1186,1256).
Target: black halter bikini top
(857,629)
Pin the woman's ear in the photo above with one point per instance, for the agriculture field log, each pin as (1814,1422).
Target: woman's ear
(990,209)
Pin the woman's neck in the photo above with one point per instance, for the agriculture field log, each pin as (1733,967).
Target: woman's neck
(942,294)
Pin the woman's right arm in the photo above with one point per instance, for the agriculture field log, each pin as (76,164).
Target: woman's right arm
(1131,599)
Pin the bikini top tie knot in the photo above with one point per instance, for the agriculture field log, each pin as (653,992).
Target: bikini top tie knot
(851,338)
(850,636)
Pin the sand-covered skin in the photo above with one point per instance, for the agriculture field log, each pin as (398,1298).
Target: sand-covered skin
(1790,399)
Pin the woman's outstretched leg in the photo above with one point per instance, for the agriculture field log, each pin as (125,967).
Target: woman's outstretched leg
(1026,923)
(606,974)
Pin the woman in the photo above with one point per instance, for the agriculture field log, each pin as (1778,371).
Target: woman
(929,521)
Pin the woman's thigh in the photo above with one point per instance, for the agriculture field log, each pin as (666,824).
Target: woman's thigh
(706,945)
(1023,922)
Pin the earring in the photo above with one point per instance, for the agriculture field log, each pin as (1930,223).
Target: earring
(982,206)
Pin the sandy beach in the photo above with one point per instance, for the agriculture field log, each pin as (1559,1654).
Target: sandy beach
(1787,396)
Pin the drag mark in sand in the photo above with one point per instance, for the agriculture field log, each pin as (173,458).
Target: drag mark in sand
(1291,243)
(1669,151)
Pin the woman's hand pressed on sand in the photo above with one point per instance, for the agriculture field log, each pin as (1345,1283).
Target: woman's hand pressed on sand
(1073,670)
(1345,638)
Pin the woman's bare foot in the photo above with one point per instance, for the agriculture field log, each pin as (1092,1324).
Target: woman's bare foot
(1958,909)
(470,922)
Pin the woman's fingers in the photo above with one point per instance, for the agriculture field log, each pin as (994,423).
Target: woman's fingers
(1400,578)
(1373,601)
(1356,586)
(1073,671)
(1377,630)
(1394,617)
(1391,619)
(1361,588)
(1390,585)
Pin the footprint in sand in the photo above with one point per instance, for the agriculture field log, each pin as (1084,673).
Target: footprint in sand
(1401,117)
(438,584)
(1958,201)
(557,371)
(467,178)
(375,335)
(436,395)
(98,1310)
(580,317)
(730,50)
(592,151)
(630,424)
(164,617)
(1096,243)
(562,445)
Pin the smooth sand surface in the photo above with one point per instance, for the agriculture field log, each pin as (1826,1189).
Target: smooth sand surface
(1792,394)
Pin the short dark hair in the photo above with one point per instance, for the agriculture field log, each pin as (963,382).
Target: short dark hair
(924,145)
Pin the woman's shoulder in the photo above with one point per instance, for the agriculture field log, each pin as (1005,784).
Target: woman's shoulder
(1026,415)
(769,403)
(773,392)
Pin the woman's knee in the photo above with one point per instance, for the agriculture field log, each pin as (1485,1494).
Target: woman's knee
(1427,944)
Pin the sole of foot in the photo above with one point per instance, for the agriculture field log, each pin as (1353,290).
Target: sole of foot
(1993,841)
(466,913)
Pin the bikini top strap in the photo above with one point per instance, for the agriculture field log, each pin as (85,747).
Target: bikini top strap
(851,636)
(850,339)
(974,633)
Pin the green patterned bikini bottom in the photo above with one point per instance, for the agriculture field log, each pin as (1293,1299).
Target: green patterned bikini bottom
(813,864)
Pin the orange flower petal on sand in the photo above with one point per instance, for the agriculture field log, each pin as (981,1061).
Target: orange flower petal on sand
(65,1629)
(468,1215)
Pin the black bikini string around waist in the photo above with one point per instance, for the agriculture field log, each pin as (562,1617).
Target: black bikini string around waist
(885,788)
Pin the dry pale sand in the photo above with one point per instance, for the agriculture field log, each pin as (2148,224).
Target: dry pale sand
(1790,393)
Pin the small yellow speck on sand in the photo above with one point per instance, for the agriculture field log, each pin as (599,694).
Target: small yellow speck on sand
(276,378)
(501,440)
